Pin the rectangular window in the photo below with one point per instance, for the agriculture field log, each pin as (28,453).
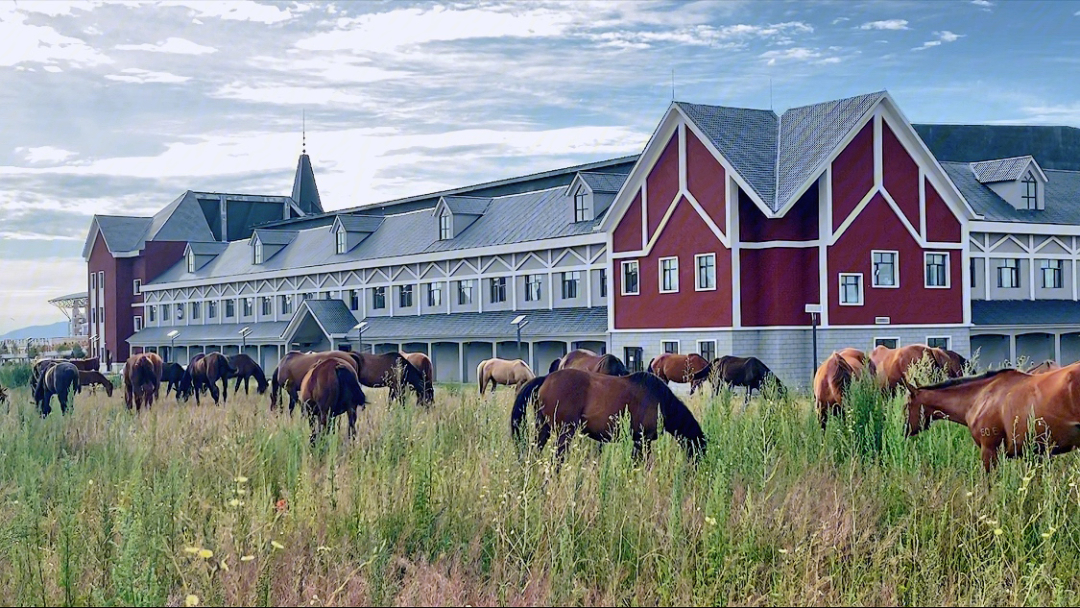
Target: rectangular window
(630,278)
(446,226)
(570,282)
(248,306)
(937,270)
(342,241)
(971,271)
(579,206)
(1051,273)
(101,279)
(268,306)
(93,316)
(211,309)
(286,305)
(151,313)
(498,290)
(670,346)
(669,275)
(706,272)
(378,298)
(633,357)
(230,309)
(603,282)
(885,271)
(179,312)
(1009,274)
(851,293)
(707,349)
(136,287)
(354,299)
(532,288)
(887,342)
(464,292)
(93,281)
(940,342)
(191,263)
(195,306)
(405,293)
(164,312)
(138,323)
(434,294)
(258,251)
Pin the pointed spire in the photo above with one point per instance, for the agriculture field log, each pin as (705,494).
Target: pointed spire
(303,118)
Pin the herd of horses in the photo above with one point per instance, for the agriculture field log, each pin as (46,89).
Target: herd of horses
(586,392)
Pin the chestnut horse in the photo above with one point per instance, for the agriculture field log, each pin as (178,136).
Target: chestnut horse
(393,370)
(503,371)
(58,380)
(569,398)
(832,378)
(329,389)
(589,361)
(742,371)
(246,369)
(673,367)
(95,377)
(893,363)
(1046,366)
(206,371)
(292,368)
(141,381)
(423,363)
(998,407)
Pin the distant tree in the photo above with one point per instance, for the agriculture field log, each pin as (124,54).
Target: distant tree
(32,351)
(78,352)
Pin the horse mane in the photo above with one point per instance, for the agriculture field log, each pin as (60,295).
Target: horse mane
(678,419)
(612,365)
(554,367)
(965,380)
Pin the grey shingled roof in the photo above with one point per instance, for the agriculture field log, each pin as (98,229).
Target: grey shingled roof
(123,233)
(332,315)
(603,182)
(360,223)
(1062,197)
(211,248)
(304,192)
(1001,170)
(228,333)
(492,325)
(275,237)
(467,205)
(778,154)
(1025,312)
(180,220)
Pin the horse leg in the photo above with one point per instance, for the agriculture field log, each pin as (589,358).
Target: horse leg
(224,390)
(236,389)
(214,392)
(566,433)
(352,423)
(247,386)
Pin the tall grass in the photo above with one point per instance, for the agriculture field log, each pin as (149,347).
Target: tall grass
(232,505)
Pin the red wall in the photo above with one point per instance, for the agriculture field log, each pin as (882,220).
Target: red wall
(799,224)
(900,175)
(774,294)
(853,174)
(941,224)
(685,236)
(627,235)
(705,179)
(663,183)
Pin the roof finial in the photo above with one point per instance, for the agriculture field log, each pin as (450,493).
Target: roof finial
(303,118)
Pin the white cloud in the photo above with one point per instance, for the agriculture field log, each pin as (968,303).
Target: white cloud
(945,36)
(245,10)
(141,76)
(38,236)
(798,54)
(888,24)
(178,46)
(983,3)
(45,154)
(840,20)
(1047,115)
(28,284)
(26,43)
(53,68)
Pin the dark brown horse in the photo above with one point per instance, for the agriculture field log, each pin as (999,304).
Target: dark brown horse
(742,371)
(833,377)
(246,368)
(59,379)
(672,367)
(393,370)
(1001,406)
(330,389)
(292,368)
(93,378)
(3,394)
(589,361)
(37,372)
(141,381)
(423,363)
(571,398)
(207,371)
(173,375)
(89,364)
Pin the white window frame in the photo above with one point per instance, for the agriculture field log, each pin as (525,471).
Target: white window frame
(446,228)
(697,272)
(266,306)
(405,296)
(191,262)
(840,285)
(195,312)
(538,281)
(247,307)
(660,265)
(342,242)
(138,323)
(571,278)
(1060,273)
(93,281)
(136,287)
(713,342)
(376,293)
(1003,266)
(874,341)
(675,342)
(603,282)
(434,294)
(622,288)
(948,341)
(151,314)
(926,265)
(896,269)
(258,251)
(579,197)
(101,279)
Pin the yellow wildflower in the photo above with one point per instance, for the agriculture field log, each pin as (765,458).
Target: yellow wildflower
(191,550)
(997,531)
(206,553)
(241,479)
(191,600)
(276,544)
(247,558)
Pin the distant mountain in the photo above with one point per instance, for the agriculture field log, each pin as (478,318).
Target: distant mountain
(55,330)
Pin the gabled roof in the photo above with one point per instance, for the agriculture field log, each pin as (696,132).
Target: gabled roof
(746,137)
(207,248)
(465,205)
(304,191)
(602,182)
(180,220)
(1062,191)
(122,234)
(359,223)
(333,317)
(1003,170)
(273,237)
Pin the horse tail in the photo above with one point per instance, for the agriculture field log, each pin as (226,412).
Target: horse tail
(679,421)
(554,367)
(480,375)
(521,403)
(704,373)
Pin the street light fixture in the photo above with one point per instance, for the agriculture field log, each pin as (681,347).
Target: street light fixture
(519,321)
(359,327)
(172,340)
(815,313)
(243,336)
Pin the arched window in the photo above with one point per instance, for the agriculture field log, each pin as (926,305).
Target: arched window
(446,230)
(1031,191)
(258,251)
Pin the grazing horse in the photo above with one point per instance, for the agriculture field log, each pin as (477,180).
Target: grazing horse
(206,371)
(742,371)
(589,361)
(292,368)
(423,363)
(393,370)
(1046,366)
(951,361)
(570,398)
(330,388)
(95,377)
(893,363)
(502,371)
(141,381)
(832,378)
(3,394)
(58,380)
(37,372)
(173,375)
(998,407)
(673,367)
(246,368)
(90,364)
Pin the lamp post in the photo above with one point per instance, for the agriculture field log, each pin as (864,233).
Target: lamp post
(815,311)
(172,341)
(519,321)
(243,336)
(359,327)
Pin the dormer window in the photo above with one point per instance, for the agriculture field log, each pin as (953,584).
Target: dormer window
(258,251)
(1030,191)
(342,242)
(191,262)
(446,226)
(580,210)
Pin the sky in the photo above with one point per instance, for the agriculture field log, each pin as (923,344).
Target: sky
(120,107)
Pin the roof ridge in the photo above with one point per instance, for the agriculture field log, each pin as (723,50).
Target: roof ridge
(998,160)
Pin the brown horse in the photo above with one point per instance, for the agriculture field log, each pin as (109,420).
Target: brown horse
(246,369)
(58,380)
(37,372)
(571,398)
(998,407)
(292,368)
(329,389)
(95,377)
(502,371)
(3,394)
(673,367)
(173,375)
(832,378)
(1046,366)
(141,381)
(893,363)
(207,371)
(423,363)
(589,361)
(393,370)
(742,371)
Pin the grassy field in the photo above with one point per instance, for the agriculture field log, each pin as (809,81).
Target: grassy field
(231,506)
